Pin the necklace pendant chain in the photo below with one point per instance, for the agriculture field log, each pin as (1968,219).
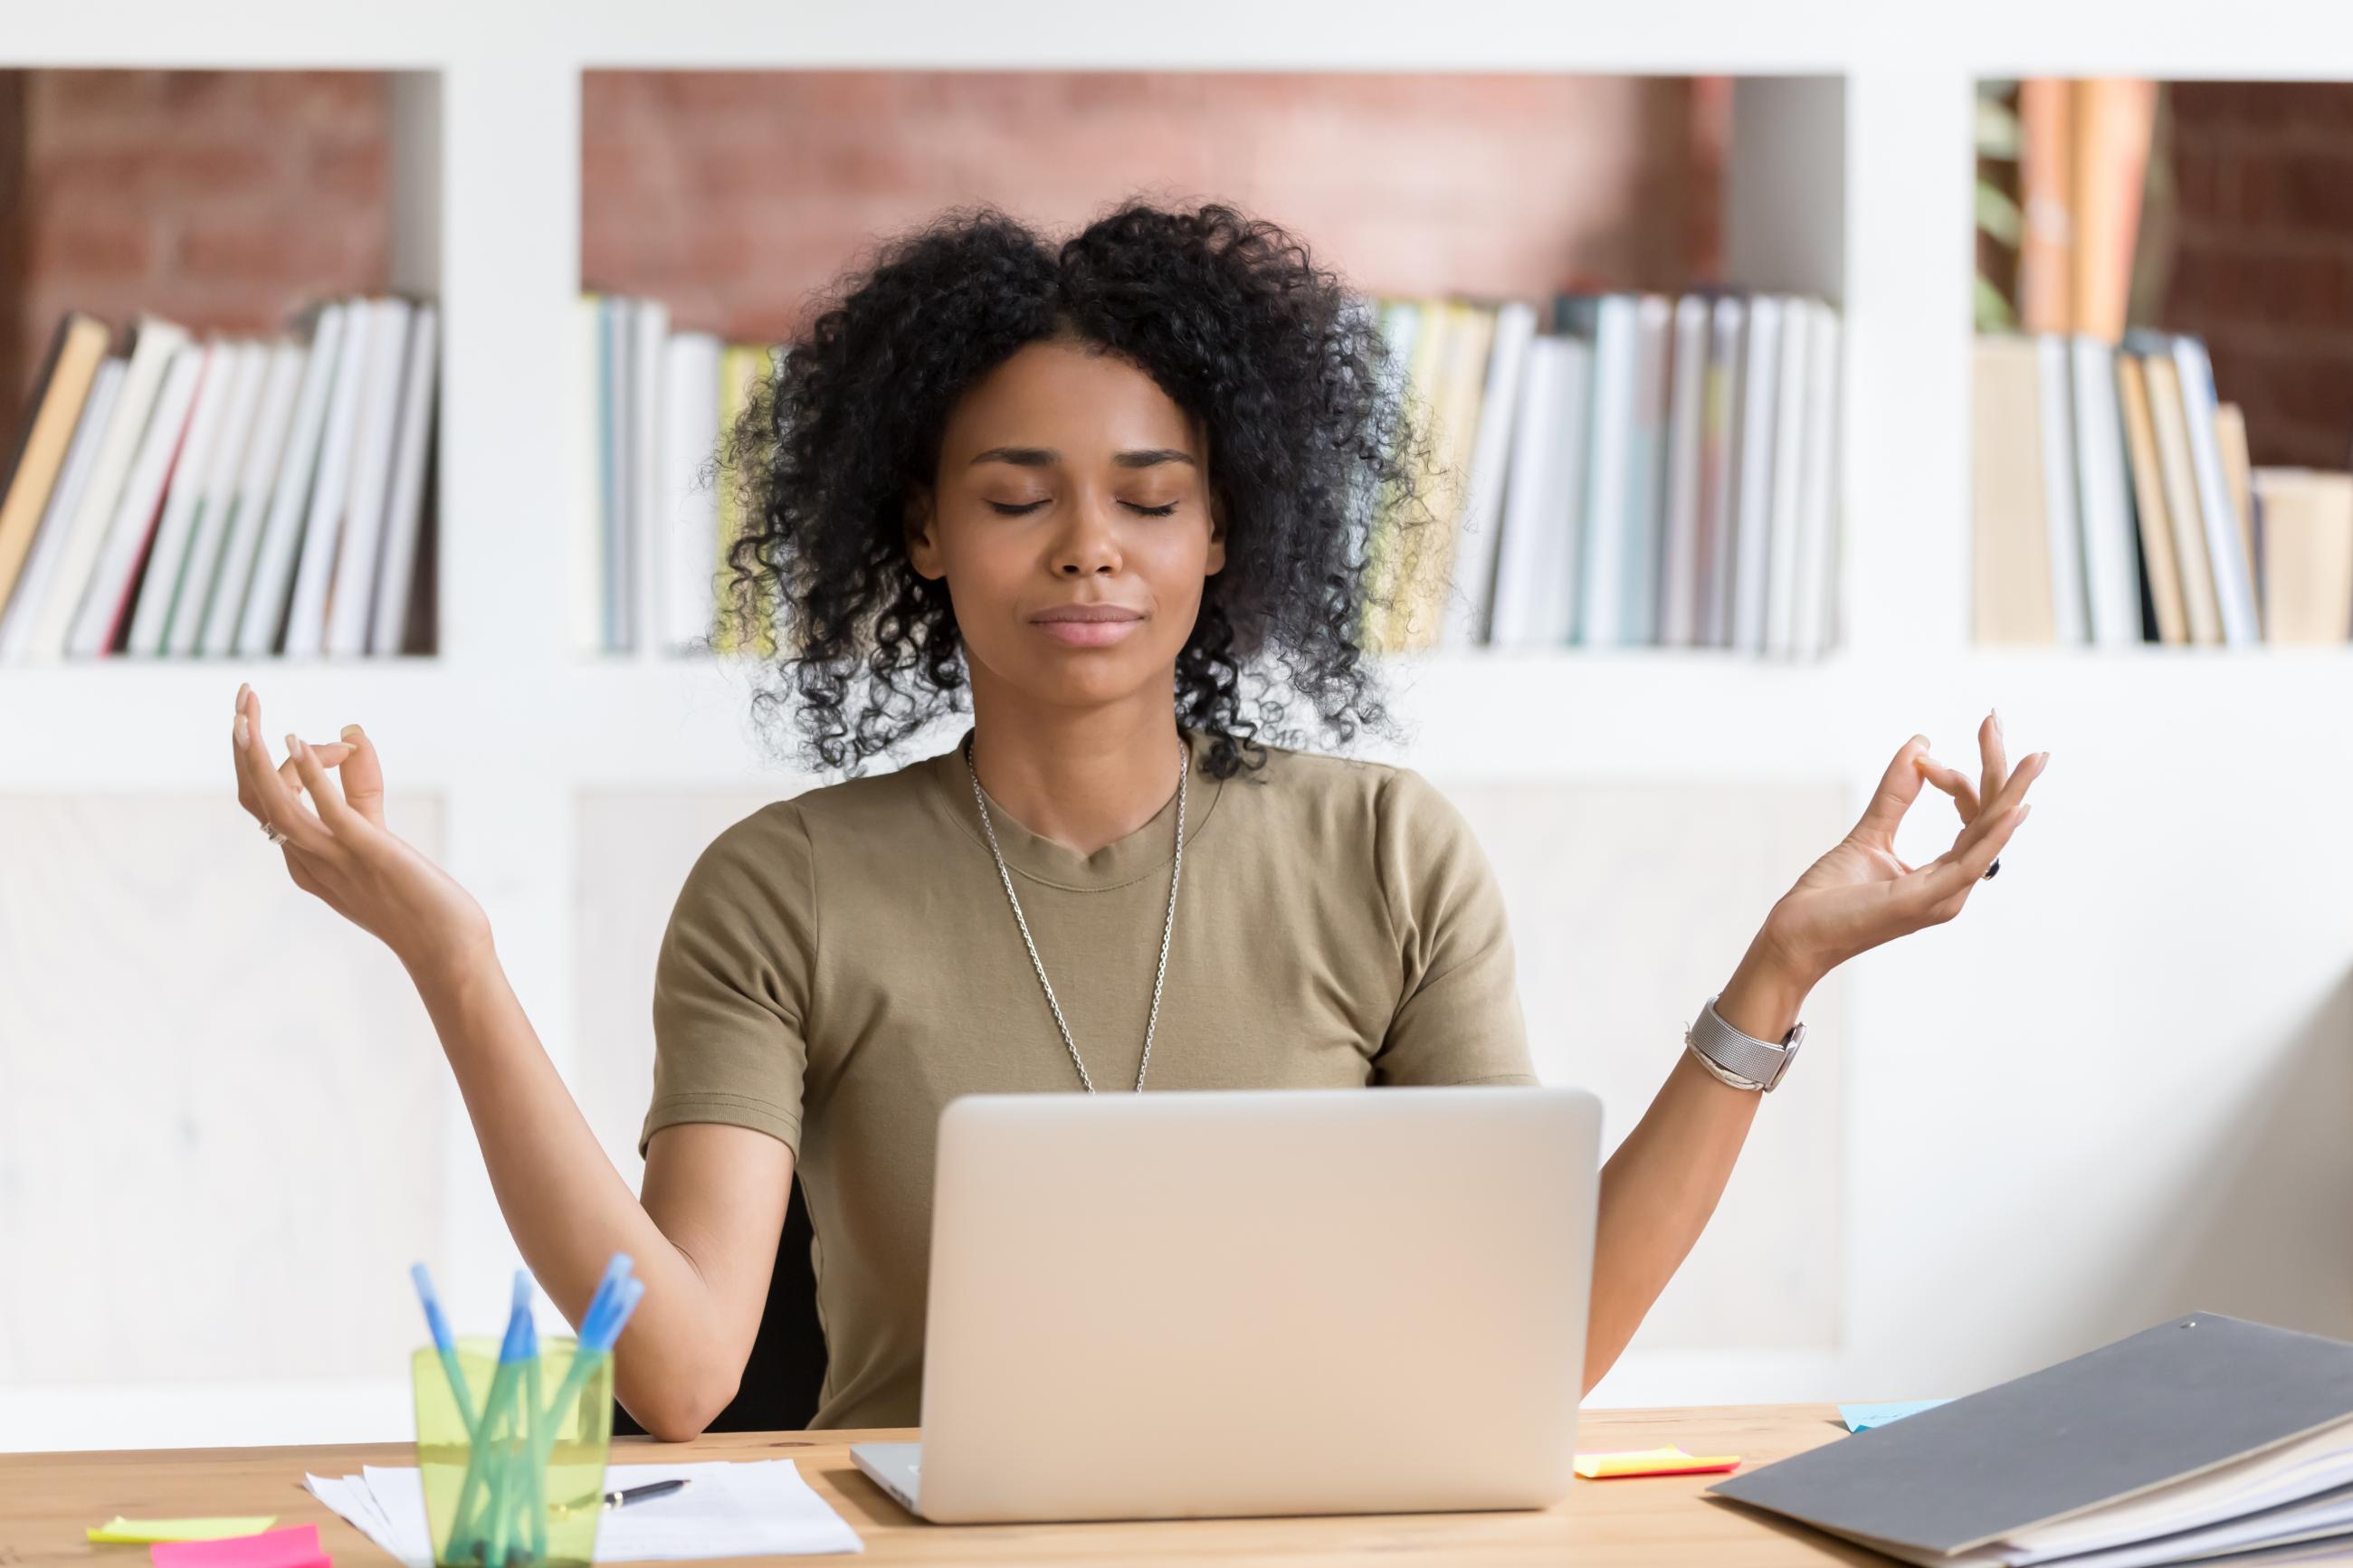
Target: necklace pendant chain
(1167,927)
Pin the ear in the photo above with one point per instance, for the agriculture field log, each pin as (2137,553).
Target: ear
(1217,556)
(919,519)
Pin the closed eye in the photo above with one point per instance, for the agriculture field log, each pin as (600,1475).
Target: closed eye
(1007,509)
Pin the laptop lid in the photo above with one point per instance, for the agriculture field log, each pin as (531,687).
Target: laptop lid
(1230,1302)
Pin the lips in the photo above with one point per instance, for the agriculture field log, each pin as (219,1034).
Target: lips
(1088,626)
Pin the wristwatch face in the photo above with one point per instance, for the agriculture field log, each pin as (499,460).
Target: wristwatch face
(1788,1055)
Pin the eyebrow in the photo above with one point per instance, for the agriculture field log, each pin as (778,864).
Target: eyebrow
(1046,457)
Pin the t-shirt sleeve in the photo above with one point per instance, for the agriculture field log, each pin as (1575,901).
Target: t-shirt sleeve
(1458,1016)
(731,982)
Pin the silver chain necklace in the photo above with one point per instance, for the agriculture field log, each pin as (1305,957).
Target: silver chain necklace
(1168,928)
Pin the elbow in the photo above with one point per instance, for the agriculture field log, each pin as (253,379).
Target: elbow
(667,1424)
(679,1413)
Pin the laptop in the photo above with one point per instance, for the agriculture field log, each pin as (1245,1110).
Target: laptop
(1217,1303)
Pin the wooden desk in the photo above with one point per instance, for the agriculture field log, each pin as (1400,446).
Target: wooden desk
(46,1501)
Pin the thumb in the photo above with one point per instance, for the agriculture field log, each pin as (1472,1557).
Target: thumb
(362,775)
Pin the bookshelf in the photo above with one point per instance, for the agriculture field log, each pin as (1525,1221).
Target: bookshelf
(1971,1071)
(715,204)
(2164,387)
(249,217)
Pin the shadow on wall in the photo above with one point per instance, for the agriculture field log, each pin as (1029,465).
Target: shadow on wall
(2256,1227)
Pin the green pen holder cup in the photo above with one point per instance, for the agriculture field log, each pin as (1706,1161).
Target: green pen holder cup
(529,1492)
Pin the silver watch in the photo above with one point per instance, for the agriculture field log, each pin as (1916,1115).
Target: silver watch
(1742,1060)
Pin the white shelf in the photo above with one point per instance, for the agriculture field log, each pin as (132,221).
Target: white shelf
(2284,38)
(1570,715)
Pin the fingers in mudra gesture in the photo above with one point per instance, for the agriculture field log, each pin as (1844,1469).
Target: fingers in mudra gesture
(327,801)
(1862,893)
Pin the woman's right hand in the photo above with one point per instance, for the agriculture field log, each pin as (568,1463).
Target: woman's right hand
(343,853)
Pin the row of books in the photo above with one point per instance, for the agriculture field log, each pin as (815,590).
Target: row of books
(1619,469)
(218,496)
(2114,503)
(1609,470)
(650,564)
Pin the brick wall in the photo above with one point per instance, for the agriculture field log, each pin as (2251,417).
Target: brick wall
(14,225)
(2263,264)
(732,194)
(228,200)
(224,200)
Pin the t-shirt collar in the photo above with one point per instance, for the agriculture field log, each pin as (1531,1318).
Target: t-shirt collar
(1139,854)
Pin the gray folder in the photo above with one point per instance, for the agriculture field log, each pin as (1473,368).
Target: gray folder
(2172,1401)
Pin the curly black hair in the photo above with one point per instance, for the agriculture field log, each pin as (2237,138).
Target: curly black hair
(1310,432)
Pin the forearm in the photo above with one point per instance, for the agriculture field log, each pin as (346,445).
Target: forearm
(1659,1187)
(568,1209)
(1662,1184)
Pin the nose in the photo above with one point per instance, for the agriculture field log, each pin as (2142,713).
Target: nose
(1089,545)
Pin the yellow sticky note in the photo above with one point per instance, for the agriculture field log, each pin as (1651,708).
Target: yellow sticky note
(1668,1461)
(146,1531)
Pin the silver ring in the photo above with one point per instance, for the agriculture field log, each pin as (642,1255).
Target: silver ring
(1990,870)
(269,831)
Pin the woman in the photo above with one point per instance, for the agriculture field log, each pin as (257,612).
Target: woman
(1106,489)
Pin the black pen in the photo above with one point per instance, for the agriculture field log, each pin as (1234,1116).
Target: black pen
(629,1495)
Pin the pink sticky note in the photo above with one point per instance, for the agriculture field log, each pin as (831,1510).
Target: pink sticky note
(296,1546)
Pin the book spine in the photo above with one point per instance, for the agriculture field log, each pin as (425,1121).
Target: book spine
(1609,458)
(1679,573)
(2225,539)
(1759,395)
(1788,460)
(2062,532)
(34,585)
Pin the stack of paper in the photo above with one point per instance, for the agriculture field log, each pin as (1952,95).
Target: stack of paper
(760,1507)
(2200,1436)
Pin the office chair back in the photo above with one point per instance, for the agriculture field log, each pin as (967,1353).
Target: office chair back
(786,1370)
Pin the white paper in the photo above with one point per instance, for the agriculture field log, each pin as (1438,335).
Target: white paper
(758,1507)
(350,1498)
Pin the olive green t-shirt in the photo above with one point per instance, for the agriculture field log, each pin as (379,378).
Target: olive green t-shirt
(842,964)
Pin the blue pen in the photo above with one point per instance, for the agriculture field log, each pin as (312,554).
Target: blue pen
(533,1491)
(617,1296)
(617,1269)
(446,1344)
(632,1291)
(599,1327)
(483,1467)
(513,1358)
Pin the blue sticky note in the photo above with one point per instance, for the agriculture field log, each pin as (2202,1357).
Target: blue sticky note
(1863,1417)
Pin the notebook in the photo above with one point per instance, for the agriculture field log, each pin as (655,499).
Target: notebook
(2148,1451)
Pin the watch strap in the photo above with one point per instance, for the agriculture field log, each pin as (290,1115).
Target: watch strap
(1748,1061)
(1707,1065)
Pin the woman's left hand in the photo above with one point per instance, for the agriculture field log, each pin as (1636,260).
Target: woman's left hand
(1861,895)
